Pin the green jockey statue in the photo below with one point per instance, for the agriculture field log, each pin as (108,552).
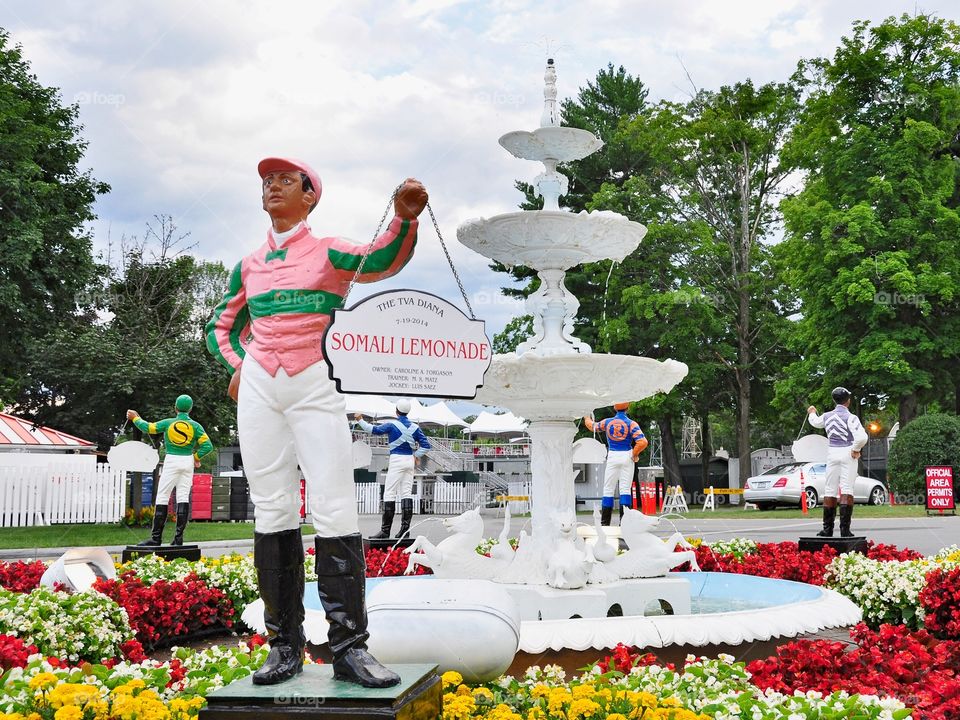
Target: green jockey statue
(185,442)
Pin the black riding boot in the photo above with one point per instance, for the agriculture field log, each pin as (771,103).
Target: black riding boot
(846,515)
(389,509)
(406,515)
(156,534)
(278,558)
(183,517)
(829,515)
(605,514)
(341,583)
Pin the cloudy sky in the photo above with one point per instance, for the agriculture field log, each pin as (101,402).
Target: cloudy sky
(180,99)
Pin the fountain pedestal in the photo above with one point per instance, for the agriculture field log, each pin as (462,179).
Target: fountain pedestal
(314,694)
(554,377)
(857,543)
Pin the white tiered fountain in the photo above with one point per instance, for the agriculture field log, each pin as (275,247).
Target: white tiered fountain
(557,597)
(554,377)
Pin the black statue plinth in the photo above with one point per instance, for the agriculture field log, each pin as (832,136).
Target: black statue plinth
(857,543)
(167,552)
(315,694)
(387,543)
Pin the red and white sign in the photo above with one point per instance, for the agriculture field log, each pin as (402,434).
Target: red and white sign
(406,342)
(940,488)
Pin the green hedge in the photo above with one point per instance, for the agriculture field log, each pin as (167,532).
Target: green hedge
(932,439)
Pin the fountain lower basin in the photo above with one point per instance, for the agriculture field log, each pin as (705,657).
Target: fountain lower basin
(733,612)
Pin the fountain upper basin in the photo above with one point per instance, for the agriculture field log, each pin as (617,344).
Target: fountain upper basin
(562,144)
(548,387)
(544,239)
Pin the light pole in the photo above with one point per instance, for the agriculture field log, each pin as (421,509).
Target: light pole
(873,428)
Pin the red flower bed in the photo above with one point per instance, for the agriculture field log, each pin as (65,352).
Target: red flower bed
(625,657)
(879,551)
(390,563)
(165,610)
(13,653)
(940,598)
(20,576)
(774,560)
(785,561)
(892,661)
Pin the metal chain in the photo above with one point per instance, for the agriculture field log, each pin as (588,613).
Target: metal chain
(436,227)
(376,234)
(456,275)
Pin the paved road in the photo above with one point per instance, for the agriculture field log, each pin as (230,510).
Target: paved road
(924,534)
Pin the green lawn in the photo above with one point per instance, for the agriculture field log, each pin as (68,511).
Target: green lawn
(863,511)
(100,535)
(738,513)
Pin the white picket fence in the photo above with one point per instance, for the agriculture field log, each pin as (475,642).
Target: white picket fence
(52,494)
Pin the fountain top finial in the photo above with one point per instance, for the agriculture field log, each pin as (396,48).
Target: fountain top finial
(551,113)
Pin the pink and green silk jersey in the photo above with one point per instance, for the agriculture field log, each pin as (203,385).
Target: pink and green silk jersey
(279,300)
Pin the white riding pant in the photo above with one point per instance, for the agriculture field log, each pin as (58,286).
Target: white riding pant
(618,474)
(284,422)
(399,483)
(177,473)
(841,472)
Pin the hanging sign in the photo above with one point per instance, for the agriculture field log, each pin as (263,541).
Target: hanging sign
(133,456)
(939,488)
(406,342)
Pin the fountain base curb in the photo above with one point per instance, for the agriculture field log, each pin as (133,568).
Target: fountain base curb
(829,609)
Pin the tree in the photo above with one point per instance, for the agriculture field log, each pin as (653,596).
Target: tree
(155,299)
(871,243)
(45,199)
(719,159)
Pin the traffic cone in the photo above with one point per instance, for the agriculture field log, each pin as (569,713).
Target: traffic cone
(803,495)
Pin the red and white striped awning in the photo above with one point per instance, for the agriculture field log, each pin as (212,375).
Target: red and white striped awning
(20,433)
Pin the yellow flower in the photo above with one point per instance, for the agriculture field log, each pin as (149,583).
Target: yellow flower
(458,707)
(43,680)
(68,712)
(557,698)
(669,702)
(463,690)
(503,712)
(12,716)
(539,690)
(616,716)
(100,708)
(451,677)
(482,693)
(582,708)
(72,694)
(535,713)
(582,691)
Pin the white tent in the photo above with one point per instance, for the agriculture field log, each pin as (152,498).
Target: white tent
(490,424)
(438,414)
(371,405)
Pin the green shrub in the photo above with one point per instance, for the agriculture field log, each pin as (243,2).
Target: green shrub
(932,439)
